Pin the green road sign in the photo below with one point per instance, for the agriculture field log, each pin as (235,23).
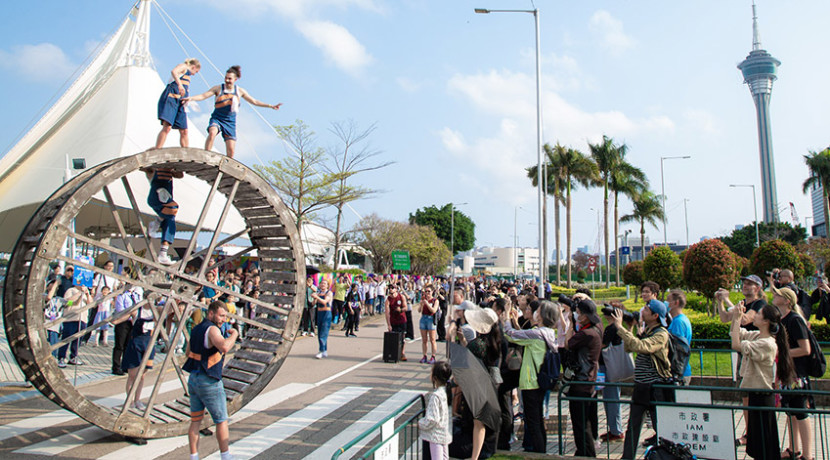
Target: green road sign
(400,260)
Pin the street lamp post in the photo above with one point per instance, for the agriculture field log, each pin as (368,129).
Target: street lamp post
(686,213)
(539,182)
(754,208)
(663,191)
(515,243)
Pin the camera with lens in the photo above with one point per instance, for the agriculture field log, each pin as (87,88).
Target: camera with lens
(628,316)
(774,274)
(566,300)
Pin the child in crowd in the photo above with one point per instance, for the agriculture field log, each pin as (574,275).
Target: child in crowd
(435,426)
(104,309)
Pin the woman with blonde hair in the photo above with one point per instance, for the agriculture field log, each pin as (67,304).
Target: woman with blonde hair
(171,111)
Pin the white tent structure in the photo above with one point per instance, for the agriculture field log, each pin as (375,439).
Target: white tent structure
(108,112)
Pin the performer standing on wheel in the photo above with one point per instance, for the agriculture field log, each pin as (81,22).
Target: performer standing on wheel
(171,103)
(161,200)
(225,108)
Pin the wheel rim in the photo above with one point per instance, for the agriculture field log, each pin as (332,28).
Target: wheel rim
(234,189)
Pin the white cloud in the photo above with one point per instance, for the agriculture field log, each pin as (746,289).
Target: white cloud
(407,84)
(336,42)
(702,121)
(41,62)
(610,33)
(338,45)
(510,97)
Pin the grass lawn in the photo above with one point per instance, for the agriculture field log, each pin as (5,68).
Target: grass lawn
(719,364)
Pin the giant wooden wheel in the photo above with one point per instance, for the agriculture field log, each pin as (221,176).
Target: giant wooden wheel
(232,191)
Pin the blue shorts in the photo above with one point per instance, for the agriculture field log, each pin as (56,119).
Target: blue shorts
(427,322)
(171,110)
(135,351)
(227,126)
(207,393)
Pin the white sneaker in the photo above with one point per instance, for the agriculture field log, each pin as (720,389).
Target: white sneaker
(153,226)
(311,334)
(305,333)
(319,355)
(165,259)
(139,405)
(325,354)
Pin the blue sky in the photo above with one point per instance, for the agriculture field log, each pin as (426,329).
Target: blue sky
(453,93)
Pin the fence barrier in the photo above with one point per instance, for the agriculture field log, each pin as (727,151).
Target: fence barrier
(391,441)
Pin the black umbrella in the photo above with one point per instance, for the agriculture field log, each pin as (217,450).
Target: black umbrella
(477,385)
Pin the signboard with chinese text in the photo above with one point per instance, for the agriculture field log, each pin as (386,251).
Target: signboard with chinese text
(709,432)
(389,449)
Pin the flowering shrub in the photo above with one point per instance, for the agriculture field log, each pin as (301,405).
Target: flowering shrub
(775,254)
(709,266)
(663,266)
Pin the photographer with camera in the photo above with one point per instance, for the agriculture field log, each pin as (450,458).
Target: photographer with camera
(821,295)
(584,348)
(651,366)
(611,393)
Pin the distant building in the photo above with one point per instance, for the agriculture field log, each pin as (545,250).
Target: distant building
(818,227)
(500,261)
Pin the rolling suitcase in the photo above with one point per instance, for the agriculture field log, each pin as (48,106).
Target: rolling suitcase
(392,346)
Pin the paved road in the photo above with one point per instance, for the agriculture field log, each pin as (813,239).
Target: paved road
(310,409)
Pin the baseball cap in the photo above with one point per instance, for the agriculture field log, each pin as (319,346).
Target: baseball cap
(754,279)
(786,293)
(660,308)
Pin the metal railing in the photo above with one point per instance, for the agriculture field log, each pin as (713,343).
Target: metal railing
(704,368)
(821,438)
(391,442)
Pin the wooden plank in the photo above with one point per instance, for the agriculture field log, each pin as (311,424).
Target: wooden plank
(251,203)
(247,366)
(277,299)
(270,347)
(273,253)
(272,232)
(178,407)
(239,375)
(277,323)
(178,416)
(255,356)
(234,385)
(267,266)
(276,276)
(262,334)
(278,287)
(258,212)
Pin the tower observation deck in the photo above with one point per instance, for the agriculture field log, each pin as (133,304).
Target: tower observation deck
(759,69)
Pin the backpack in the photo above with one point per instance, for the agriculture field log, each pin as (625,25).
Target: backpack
(679,353)
(818,364)
(668,450)
(548,375)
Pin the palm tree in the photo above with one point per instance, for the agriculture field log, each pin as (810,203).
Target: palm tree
(576,168)
(605,154)
(647,208)
(819,165)
(554,188)
(630,181)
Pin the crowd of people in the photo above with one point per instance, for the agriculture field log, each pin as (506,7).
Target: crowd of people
(509,329)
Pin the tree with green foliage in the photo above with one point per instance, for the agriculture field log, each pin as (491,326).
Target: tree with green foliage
(428,254)
(647,209)
(577,169)
(633,276)
(742,241)
(441,221)
(606,156)
(348,158)
(663,267)
(709,266)
(555,188)
(807,264)
(300,178)
(818,163)
(819,250)
(775,254)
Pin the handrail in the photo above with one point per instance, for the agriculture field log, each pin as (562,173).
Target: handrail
(377,426)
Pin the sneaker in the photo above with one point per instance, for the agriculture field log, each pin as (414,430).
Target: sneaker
(319,355)
(304,333)
(611,437)
(325,354)
(154,226)
(352,335)
(76,362)
(164,259)
(311,334)
(139,405)
(431,360)
(61,363)
(650,441)
(403,357)
(423,360)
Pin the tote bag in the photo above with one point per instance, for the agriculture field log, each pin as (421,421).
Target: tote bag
(619,365)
